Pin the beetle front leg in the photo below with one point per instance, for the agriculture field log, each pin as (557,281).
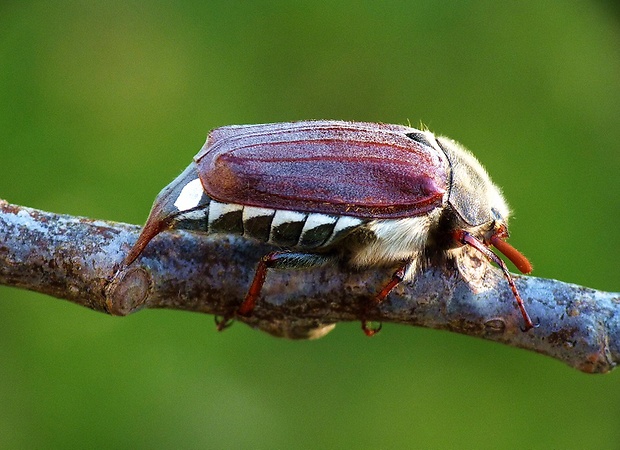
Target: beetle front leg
(274,260)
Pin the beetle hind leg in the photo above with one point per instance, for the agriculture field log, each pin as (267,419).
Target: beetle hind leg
(223,322)
(273,260)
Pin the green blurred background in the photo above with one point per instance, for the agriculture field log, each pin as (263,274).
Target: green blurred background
(103,103)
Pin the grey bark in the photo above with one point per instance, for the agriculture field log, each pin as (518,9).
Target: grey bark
(77,259)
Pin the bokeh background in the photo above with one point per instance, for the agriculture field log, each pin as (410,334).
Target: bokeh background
(103,103)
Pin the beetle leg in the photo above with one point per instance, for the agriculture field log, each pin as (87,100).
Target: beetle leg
(370,331)
(221,323)
(397,277)
(464,237)
(278,260)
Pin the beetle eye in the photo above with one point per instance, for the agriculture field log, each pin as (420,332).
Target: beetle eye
(496,215)
(419,137)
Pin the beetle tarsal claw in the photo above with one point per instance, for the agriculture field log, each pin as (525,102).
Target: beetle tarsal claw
(223,322)
(530,325)
(369,330)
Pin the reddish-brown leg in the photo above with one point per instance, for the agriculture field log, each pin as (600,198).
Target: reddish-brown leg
(464,237)
(275,260)
(397,277)
(246,308)
(251,297)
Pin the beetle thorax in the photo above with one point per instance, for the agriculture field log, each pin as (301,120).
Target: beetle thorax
(473,196)
(396,240)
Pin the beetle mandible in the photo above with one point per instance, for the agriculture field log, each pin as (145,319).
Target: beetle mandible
(322,191)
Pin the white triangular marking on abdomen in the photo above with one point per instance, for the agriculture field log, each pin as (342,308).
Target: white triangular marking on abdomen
(190,195)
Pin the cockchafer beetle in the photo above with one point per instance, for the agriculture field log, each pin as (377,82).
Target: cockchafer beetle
(322,191)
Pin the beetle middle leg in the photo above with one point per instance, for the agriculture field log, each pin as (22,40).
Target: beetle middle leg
(397,278)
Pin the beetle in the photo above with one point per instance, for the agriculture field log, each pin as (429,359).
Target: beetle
(366,194)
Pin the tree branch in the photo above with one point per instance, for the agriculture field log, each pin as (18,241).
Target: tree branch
(76,259)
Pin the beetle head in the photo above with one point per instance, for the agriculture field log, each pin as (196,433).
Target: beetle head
(478,202)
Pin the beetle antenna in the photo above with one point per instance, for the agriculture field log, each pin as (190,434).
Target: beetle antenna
(465,237)
(514,255)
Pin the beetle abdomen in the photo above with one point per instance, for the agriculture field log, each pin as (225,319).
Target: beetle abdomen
(289,229)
